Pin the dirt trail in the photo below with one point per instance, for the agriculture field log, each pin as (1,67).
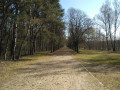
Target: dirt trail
(60,72)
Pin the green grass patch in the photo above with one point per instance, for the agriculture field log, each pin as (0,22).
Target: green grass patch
(100,57)
(104,65)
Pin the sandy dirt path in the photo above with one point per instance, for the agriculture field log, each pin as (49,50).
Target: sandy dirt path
(60,72)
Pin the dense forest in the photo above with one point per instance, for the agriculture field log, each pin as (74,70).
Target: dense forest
(29,26)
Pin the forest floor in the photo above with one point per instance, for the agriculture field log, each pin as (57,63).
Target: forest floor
(63,70)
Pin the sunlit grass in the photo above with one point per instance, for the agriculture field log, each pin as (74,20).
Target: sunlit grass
(100,57)
(104,65)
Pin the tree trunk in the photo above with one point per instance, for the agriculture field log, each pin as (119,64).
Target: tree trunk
(1,43)
(6,47)
(31,41)
(114,42)
(19,52)
(51,47)
(14,41)
(77,49)
(0,47)
(107,44)
(46,47)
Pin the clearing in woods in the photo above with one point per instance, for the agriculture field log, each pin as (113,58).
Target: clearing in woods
(58,72)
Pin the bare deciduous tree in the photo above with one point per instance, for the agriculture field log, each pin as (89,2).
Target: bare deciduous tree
(116,5)
(105,22)
(78,23)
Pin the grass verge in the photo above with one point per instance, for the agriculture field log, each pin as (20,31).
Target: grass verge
(104,65)
(7,68)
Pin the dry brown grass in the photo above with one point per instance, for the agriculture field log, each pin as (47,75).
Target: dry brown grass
(8,68)
(103,65)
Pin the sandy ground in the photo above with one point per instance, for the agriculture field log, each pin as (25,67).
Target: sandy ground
(60,72)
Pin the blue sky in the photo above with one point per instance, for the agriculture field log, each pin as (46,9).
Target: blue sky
(90,7)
